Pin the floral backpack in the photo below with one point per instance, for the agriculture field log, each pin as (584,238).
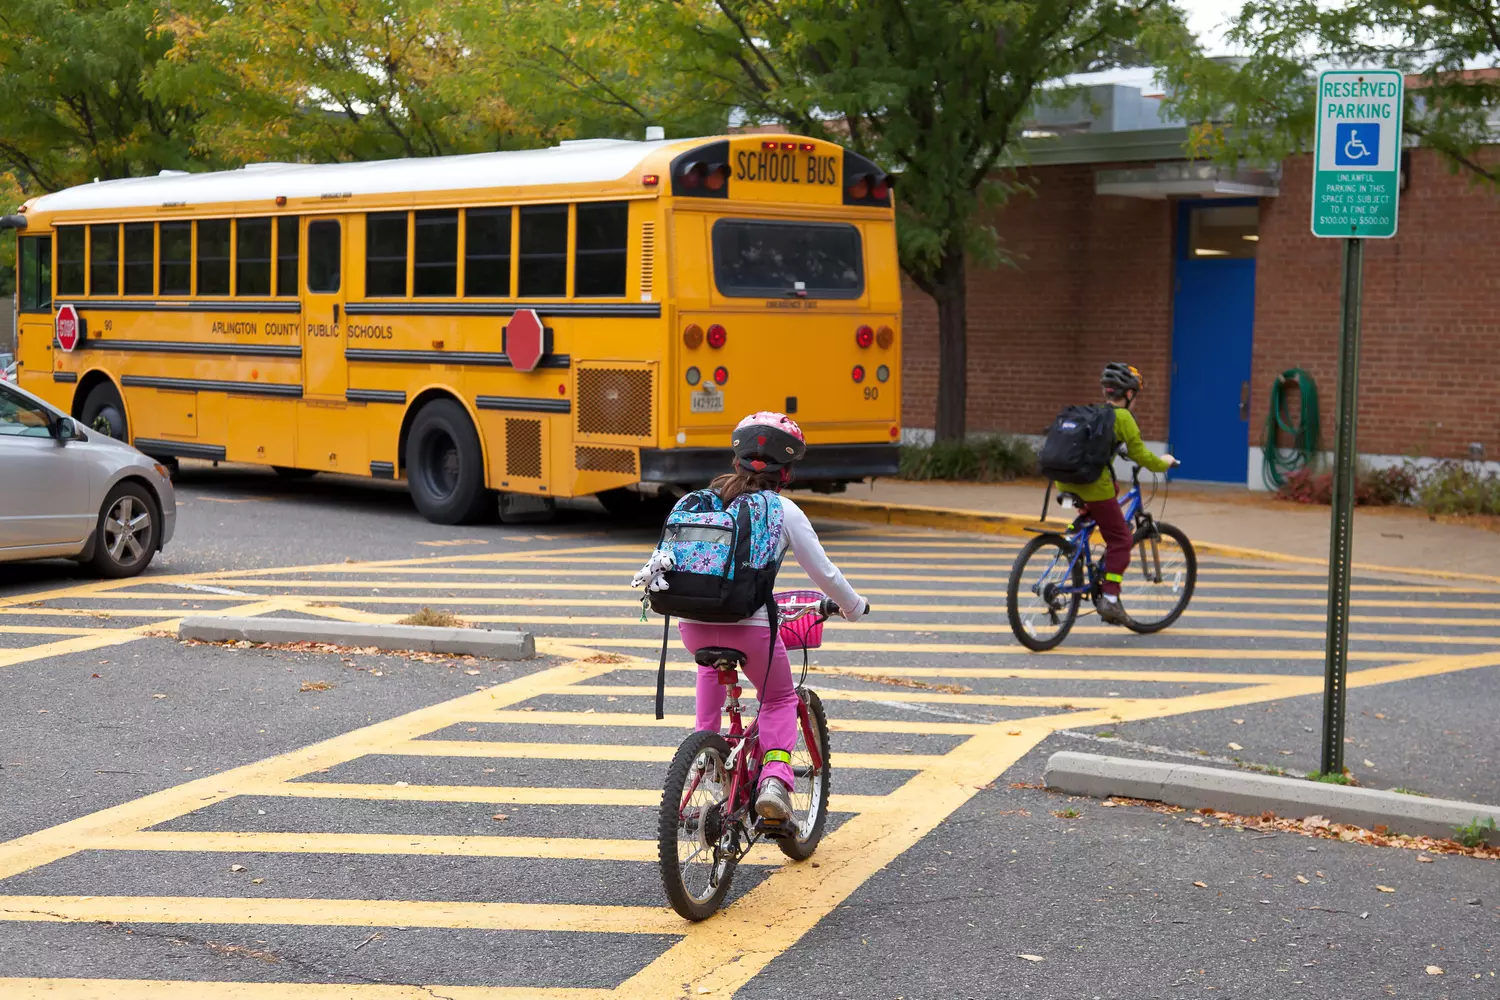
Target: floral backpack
(724,559)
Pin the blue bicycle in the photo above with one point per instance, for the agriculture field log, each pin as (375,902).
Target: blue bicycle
(1055,571)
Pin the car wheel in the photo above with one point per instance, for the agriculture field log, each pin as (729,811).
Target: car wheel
(104,412)
(445,466)
(127,532)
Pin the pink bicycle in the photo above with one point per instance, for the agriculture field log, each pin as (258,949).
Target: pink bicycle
(708,821)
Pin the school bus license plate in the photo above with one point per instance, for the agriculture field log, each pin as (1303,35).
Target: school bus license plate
(708,402)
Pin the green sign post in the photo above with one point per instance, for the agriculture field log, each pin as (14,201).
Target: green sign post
(1356,191)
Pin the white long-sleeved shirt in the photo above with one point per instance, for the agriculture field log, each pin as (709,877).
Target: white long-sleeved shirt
(798,535)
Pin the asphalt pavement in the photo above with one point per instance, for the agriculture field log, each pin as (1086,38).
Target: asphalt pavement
(204,821)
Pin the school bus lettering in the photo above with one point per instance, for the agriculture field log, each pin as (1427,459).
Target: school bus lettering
(323,329)
(234,329)
(361,332)
(783,168)
(282,329)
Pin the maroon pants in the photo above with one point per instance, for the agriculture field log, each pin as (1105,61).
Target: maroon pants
(1117,540)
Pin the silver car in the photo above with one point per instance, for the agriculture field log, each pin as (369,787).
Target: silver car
(77,494)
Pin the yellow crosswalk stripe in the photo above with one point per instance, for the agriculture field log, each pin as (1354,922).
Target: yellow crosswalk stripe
(342,913)
(195,989)
(431,845)
(685,723)
(844,694)
(621,752)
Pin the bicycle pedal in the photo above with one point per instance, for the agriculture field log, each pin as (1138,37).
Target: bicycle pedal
(775,829)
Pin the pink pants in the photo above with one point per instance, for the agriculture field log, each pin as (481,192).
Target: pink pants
(774,688)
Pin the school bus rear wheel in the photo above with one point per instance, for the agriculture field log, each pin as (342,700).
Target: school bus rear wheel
(445,465)
(104,412)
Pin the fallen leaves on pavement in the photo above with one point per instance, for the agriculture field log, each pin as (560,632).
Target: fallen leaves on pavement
(892,681)
(1324,828)
(309,686)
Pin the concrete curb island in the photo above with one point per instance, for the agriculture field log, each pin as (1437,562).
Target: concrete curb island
(499,645)
(1195,787)
(993,523)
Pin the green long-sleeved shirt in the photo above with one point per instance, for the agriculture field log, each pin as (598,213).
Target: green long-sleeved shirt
(1127,432)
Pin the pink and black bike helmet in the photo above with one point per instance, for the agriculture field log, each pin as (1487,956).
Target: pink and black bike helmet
(768,441)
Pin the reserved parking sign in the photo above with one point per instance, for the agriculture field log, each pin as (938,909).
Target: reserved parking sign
(1357,155)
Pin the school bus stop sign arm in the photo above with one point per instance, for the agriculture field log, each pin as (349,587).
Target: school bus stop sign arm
(525,340)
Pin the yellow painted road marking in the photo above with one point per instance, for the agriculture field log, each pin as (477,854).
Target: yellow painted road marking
(685,723)
(524,795)
(435,845)
(342,913)
(627,753)
(1120,652)
(162,989)
(56,630)
(846,694)
(102,638)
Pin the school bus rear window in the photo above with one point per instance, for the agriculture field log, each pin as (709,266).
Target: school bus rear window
(820,260)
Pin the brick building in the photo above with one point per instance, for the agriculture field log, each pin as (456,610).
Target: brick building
(1211,283)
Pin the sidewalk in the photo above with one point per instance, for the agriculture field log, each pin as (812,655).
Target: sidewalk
(1388,536)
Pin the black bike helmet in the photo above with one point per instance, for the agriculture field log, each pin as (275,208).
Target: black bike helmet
(1119,378)
(768,440)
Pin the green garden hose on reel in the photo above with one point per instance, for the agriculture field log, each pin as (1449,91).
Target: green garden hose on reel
(1279,463)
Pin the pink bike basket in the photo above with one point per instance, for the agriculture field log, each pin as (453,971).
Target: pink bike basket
(806,632)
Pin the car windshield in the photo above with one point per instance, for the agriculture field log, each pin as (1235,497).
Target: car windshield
(20,417)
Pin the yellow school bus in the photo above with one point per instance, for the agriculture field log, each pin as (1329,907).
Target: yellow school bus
(587,319)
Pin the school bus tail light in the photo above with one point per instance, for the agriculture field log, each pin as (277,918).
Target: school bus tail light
(717,335)
(865,183)
(702,172)
(864,336)
(716,177)
(692,337)
(885,337)
(721,375)
(858,374)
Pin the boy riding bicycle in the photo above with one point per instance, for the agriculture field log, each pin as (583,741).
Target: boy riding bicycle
(1121,383)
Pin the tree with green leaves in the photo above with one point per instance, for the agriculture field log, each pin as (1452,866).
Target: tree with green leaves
(1262,107)
(937,92)
(73,102)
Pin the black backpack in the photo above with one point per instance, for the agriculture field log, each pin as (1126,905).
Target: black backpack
(1079,444)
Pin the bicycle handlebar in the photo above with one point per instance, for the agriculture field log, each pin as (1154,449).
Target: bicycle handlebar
(829,607)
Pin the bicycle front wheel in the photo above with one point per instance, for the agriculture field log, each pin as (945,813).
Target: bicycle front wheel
(810,794)
(695,844)
(1159,584)
(1041,613)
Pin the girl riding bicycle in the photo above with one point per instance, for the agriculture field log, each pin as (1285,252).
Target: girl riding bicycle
(765,444)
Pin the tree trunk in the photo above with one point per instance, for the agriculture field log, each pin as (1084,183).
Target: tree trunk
(951,292)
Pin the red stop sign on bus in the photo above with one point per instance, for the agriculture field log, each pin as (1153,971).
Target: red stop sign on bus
(69,327)
(525,340)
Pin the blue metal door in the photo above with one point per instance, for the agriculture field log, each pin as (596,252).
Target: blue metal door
(1213,315)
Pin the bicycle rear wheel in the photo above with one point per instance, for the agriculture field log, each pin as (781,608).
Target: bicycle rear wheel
(810,793)
(694,840)
(1040,616)
(1160,581)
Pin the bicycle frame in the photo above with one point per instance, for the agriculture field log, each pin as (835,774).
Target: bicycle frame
(1080,536)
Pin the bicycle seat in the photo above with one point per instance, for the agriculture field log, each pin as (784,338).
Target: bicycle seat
(719,657)
(1074,500)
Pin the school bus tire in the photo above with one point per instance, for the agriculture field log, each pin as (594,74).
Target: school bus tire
(445,465)
(292,475)
(104,411)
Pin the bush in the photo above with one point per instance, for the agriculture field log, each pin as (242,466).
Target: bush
(1460,488)
(1374,488)
(985,460)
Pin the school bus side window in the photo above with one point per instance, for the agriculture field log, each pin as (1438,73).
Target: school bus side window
(140,256)
(487,251)
(36,273)
(252,256)
(435,267)
(385,254)
(213,257)
(70,258)
(287,244)
(324,256)
(175,272)
(544,250)
(603,242)
(104,259)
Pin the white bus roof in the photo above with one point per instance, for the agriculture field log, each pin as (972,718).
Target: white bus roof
(577,162)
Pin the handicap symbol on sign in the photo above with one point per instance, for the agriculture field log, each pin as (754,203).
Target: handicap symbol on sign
(1356,144)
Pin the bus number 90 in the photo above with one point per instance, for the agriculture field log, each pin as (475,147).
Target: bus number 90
(872,392)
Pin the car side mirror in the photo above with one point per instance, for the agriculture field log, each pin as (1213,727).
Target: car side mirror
(66,429)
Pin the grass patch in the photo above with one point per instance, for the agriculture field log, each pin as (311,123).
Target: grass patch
(1106,734)
(435,619)
(1329,779)
(983,460)
(1475,832)
(1068,813)
(1403,790)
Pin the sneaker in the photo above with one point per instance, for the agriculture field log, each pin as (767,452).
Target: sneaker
(1112,611)
(774,801)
